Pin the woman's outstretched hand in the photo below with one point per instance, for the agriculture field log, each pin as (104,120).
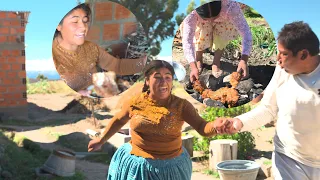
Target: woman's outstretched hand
(94,145)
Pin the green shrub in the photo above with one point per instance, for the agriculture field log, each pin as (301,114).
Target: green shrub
(251,13)
(246,141)
(41,77)
(40,87)
(211,113)
(263,42)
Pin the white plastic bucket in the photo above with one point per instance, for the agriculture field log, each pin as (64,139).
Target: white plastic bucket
(61,163)
(238,170)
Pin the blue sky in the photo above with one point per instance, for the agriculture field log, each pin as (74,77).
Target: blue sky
(45,15)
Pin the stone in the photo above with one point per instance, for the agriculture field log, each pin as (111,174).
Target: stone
(214,83)
(213,103)
(254,93)
(6,174)
(200,99)
(188,87)
(243,99)
(245,85)
(195,95)
(204,76)
(227,78)
(258,86)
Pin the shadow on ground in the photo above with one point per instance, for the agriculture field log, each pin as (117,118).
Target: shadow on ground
(39,117)
(78,142)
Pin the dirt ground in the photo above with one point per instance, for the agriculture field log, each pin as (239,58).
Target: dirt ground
(55,129)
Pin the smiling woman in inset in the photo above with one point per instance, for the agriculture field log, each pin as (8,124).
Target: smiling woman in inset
(77,59)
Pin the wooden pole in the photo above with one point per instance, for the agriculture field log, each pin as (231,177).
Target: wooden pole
(92,112)
(221,150)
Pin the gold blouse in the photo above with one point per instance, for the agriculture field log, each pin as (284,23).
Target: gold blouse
(156,130)
(76,67)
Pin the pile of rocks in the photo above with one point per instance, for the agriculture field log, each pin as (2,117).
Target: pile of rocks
(248,89)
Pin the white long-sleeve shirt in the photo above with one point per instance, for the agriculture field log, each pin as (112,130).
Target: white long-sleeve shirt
(295,101)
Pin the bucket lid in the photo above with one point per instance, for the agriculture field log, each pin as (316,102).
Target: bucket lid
(64,154)
(237,165)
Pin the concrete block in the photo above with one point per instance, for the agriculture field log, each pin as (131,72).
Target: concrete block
(187,142)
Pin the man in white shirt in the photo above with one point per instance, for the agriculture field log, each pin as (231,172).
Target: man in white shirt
(293,99)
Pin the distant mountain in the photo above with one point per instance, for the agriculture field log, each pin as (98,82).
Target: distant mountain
(51,75)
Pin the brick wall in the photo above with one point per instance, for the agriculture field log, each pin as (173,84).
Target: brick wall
(12,63)
(111,23)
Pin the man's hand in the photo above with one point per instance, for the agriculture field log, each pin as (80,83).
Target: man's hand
(235,126)
(227,125)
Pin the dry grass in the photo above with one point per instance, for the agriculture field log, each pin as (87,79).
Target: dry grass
(48,87)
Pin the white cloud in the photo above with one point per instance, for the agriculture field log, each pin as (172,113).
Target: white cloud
(40,65)
(165,58)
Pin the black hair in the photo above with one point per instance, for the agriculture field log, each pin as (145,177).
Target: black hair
(297,36)
(84,6)
(209,10)
(152,67)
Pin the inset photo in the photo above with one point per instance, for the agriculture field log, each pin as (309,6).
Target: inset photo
(99,49)
(228,51)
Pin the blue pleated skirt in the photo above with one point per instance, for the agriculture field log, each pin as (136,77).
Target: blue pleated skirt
(125,166)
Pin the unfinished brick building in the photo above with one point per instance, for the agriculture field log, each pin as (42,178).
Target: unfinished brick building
(111,23)
(13,100)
